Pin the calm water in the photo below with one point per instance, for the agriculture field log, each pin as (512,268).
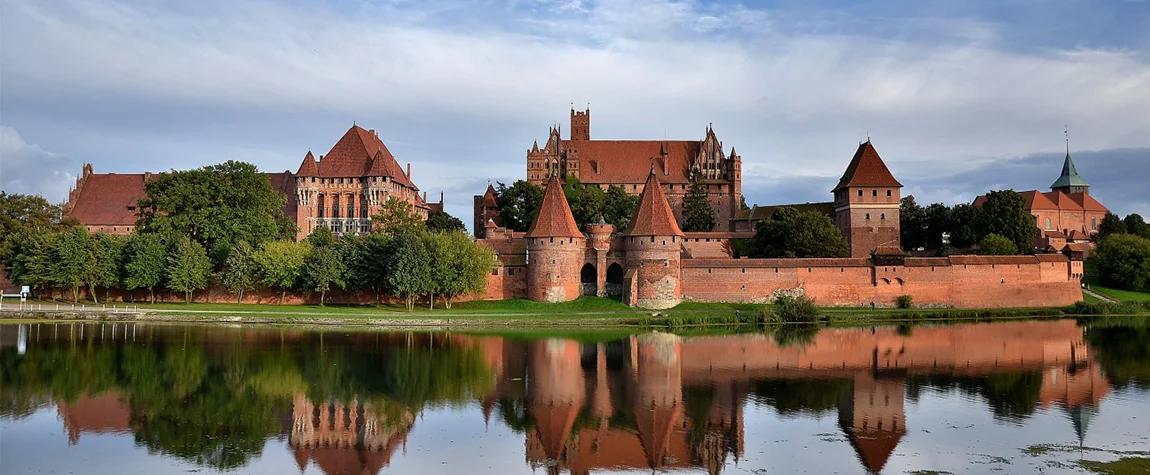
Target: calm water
(1015,397)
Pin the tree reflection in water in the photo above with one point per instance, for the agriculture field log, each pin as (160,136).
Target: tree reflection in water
(346,401)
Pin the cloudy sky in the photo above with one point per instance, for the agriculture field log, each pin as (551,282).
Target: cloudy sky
(959,96)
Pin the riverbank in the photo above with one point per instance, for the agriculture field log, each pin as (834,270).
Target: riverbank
(584,312)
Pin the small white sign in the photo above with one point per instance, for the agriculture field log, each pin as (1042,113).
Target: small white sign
(24,289)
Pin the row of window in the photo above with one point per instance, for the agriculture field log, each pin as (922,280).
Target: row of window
(1050,224)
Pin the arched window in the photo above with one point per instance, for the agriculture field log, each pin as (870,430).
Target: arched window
(1093,224)
(1048,223)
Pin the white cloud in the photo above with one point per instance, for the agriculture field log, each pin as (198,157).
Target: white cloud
(27,168)
(793,101)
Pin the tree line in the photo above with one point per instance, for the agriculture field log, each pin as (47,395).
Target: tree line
(224,223)
(1000,225)
(1122,257)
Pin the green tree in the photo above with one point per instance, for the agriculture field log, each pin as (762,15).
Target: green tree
(996,245)
(459,266)
(409,268)
(321,237)
(105,269)
(619,207)
(217,206)
(697,213)
(70,260)
(792,233)
(963,230)
(1123,261)
(240,272)
(586,201)
(145,263)
(939,219)
(518,204)
(1137,226)
(442,221)
(32,265)
(397,216)
(1004,213)
(912,224)
(189,268)
(367,261)
(22,216)
(281,263)
(1111,224)
(323,269)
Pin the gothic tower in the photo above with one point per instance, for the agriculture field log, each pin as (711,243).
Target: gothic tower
(866,203)
(580,124)
(1069,181)
(653,243)
(555,249)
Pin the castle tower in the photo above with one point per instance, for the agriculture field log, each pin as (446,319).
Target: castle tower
(1069,181)
(653,243)
(600,235)
(873,417)
(306,192)
(866,203)
(485,209)
(555,249)
(580,124)
(659,392)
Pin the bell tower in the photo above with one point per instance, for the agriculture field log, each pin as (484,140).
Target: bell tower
(581,124)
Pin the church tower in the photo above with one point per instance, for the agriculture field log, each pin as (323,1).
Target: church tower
(1069,181)
(653,243)
(555,249)
(867,200)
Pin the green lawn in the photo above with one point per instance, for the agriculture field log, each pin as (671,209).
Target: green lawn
(1120,295)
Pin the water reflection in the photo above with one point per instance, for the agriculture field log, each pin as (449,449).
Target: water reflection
(351,402)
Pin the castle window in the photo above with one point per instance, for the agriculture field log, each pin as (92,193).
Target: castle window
(552,240)
(874,192)
(652,238)
(1048,223)
(888,192)
(868,216)
(882,216)
(860,193)
(1093,224)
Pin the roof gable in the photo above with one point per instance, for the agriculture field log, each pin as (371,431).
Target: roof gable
(1036,200)
(308,167)
(489,200)
(1087,202)
(354,156)
(653,216)
(629,161)
(109,198)
(867,169)
(1062,201)
(554,218)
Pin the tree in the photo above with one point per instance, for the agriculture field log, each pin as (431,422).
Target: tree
(323,269)
(1111,224)
(22,216)
(1004,213)
(518,204)
(367,262)
(619,207)
(1137,226)
(397,216)
(240,271)
(792,233)
(586,201)
(996,245)
(145,263)
(70,260)
(459,265)
(189,268)
(217,206)
(697,213)
(321,236)
(963,231)
(912,224)
(281,263)
(409,268)
(441,221)
(939,219)
(32,265)
(1123,261)
(105,269)
(743,203)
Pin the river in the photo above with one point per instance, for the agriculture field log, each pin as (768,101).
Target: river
(1008,397)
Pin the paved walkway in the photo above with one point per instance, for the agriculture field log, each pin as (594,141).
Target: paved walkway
(1098,296)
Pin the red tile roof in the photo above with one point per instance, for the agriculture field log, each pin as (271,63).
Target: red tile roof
(554,219)
(108,199)
(1087,202)
(874,448)
(991,260)
(867,169)
(1062,201)
(1055,257)
(630,161)
(353,156)
(308,167)
(780,263)
(489,200)
(653,216)
(1035,200)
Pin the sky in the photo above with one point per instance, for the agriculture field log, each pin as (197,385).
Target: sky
(958,96)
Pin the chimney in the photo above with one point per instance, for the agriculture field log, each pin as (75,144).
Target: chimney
(372,132)
(441,197)
(147,176)
(425,197)
(408,170)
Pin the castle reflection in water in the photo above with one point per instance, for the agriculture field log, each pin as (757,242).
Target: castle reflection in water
(658,400)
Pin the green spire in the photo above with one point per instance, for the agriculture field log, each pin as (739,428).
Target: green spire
(1069,177)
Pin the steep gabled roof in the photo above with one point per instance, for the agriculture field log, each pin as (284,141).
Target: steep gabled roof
(653,216)
(489,200)
(378,165)
(308,167)
(1087,202)
(353,156)
(629,161)
(1063,201)
(109,198)
(867,169)
(1069,176)
(555,218)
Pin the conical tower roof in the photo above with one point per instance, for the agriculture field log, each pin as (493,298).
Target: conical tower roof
(555,218)
(1069,175)
(653,216)
(867,169)
(378,165)
(308,167)
(489,200)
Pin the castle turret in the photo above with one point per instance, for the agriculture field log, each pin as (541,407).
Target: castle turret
(653,243)
(867,200)
(555,249)
(600,235)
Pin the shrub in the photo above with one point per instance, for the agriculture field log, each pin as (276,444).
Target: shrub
(1123,261)
(1111,308)
(792,309)
(996,245)
(905,301)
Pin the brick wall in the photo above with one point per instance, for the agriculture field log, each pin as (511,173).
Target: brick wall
(553,268)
